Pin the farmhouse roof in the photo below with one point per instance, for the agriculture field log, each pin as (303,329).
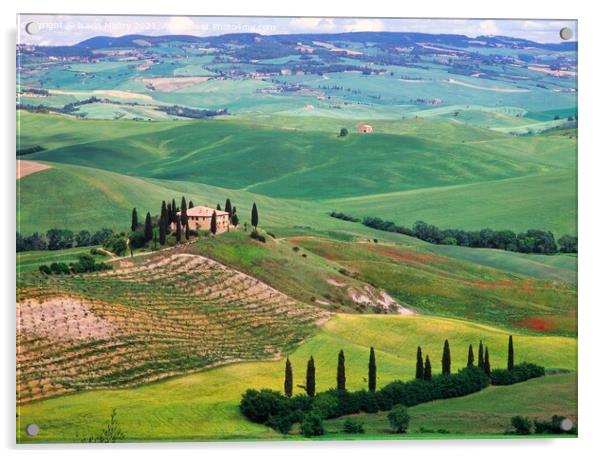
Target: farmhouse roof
(203,211)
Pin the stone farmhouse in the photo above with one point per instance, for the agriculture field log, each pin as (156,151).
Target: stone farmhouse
(199,218)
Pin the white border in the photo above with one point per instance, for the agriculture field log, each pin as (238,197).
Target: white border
(590,315)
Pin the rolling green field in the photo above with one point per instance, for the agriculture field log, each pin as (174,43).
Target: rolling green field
(205,405)
(547,200)
(446,174)
(484,413)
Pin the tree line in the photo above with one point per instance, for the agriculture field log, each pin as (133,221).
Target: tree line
(60,239)
(280,411)
(530,241)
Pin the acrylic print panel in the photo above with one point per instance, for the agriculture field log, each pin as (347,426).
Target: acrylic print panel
(255,228)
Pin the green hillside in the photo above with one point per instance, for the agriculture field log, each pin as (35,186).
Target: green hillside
(486,412)
(300,164)
(546,201)
(205,405)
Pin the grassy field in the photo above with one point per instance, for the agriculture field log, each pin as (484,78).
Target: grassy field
(428,154)
(204,405)
(28,261)
(446,173)
(543,201)
(485,412)
(446,287)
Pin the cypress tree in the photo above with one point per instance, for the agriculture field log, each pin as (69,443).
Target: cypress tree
(310,378)
(341,379)
(162,226)
(428,371)
(178,230)
(169,219)
(481,361)
(446,359)
(254,216)
(190,204)
(187,232)
(163,218)
(213,223)
(486,365)
(419,364)
(219,207)
(372,371)
(183,212)
(510,354)
(228,208)
(470,362)
(174,210)
(148,228)
(288,379)
(234,219)
(134,219)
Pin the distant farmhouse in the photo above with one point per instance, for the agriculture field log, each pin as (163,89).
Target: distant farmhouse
(199,218)
(366,129)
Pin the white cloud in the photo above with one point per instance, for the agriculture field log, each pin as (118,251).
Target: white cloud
(489,27)
(365,25)
(180,24)
(313,24)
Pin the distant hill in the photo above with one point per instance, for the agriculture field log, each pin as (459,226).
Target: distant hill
(384,38)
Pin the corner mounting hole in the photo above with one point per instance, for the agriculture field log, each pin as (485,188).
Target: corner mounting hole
(566,33)
(32,429)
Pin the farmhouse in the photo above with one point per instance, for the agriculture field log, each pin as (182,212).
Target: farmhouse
(199,218)
(366,129)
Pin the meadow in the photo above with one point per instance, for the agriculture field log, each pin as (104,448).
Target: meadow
(480,414)
(204,405)
(458,176)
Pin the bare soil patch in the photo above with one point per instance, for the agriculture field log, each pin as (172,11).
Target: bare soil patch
(62,318)
(171,84)
(25,168)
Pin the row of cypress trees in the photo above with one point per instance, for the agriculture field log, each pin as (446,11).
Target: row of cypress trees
(423,367)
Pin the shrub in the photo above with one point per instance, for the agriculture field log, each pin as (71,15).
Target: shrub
(271,234)
(367,401)
(553,426)
(352,426)
(137,239)
(282,423)
(259,406)
(521,425)
(325,405)
(44,269)
(86,263)
(95,251)
(520,373)
(59,268)
(399,418)
(117,244)
(257,236)
(312,425)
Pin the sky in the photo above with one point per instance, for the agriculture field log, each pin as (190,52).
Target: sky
(50,30)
